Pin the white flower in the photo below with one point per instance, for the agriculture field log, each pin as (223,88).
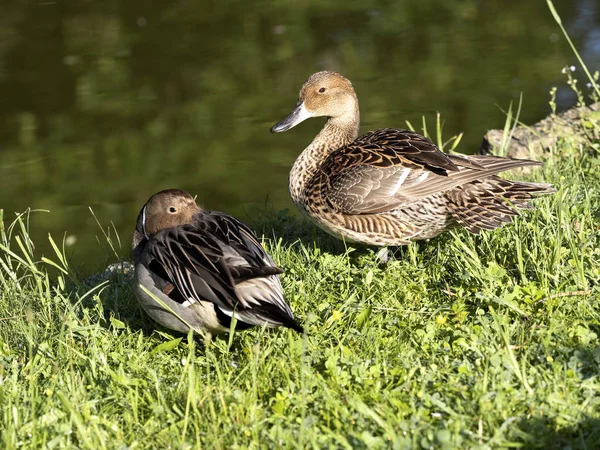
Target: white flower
(572,68)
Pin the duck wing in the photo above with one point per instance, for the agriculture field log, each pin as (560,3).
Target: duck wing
(389,168)
(391,147)
(217,258)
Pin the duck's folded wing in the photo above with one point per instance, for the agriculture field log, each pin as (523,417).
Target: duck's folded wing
(391,147)
(376,175)
(193,264)
(217,258)
(200,269)
(253,270)
(240,247)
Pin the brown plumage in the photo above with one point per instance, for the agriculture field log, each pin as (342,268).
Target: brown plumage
(392,186)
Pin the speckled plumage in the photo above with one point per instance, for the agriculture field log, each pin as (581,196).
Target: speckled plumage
(391,186)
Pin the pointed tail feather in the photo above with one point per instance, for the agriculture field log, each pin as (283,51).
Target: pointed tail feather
(270,315)
(264,304)
(472,169)
(490,203)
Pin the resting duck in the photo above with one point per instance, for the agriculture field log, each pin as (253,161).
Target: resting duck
(205,267)
(392,186)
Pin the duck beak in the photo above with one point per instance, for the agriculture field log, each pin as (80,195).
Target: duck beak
(298,114)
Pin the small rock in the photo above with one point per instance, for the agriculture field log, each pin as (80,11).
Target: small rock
(531,142)
(122,268)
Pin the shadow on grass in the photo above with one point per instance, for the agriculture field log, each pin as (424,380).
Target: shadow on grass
(294,229)
(117,297)
(547,433)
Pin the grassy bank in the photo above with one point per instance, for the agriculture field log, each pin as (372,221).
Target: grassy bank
(464,341)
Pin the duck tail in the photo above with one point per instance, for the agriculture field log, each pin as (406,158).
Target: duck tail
(490,203)
(291,323)
(274,315)
(270,315)
(262,303)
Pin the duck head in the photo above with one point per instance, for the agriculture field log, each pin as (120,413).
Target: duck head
(165,209)
(327,94)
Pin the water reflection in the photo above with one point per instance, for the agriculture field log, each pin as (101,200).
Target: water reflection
(105,103)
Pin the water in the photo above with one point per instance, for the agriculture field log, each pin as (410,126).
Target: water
(104,103)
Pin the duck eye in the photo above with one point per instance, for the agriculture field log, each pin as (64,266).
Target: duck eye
(322,90)
(172,209)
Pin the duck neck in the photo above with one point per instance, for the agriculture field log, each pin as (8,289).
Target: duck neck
(337,132)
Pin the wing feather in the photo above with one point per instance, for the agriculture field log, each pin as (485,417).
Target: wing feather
(217,258)
(389,168)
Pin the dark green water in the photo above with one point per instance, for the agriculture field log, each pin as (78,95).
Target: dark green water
(103,103)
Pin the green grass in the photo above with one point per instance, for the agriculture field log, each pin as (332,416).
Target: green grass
(462,342)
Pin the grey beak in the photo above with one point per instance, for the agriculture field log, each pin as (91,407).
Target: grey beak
(298,114)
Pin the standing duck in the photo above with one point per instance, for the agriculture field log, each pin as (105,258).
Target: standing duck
(205,267)
(392,186)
